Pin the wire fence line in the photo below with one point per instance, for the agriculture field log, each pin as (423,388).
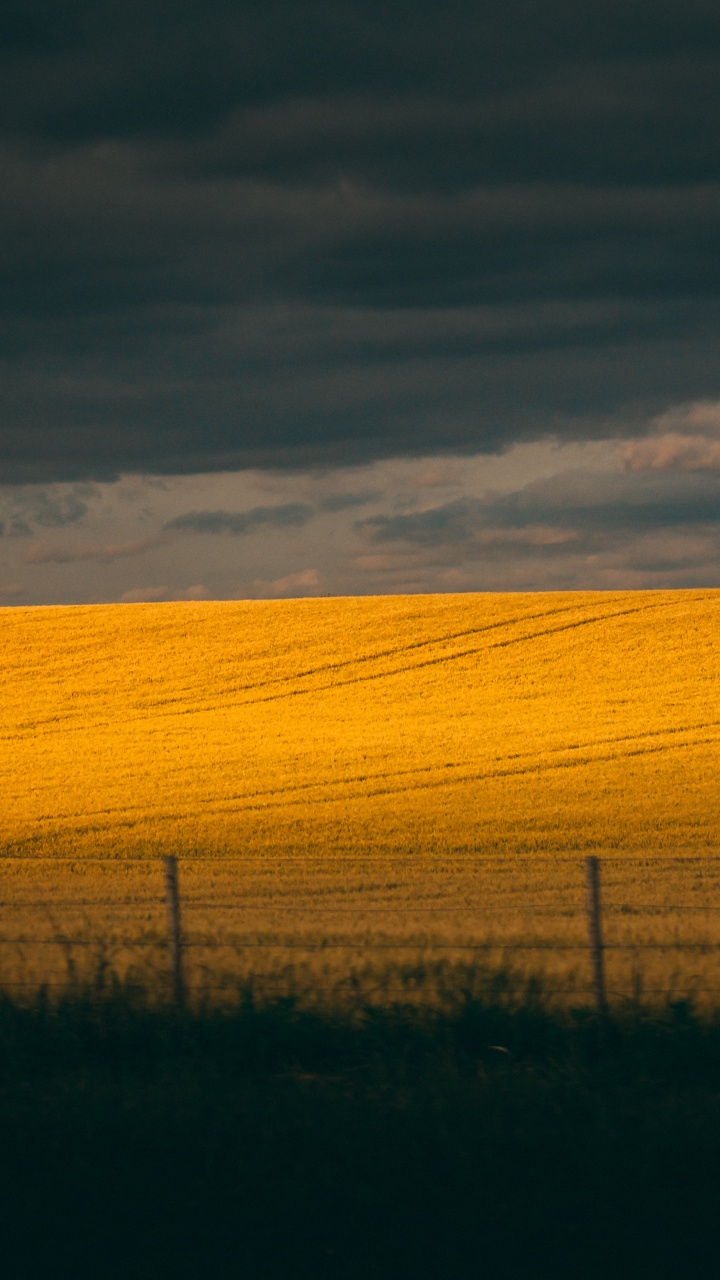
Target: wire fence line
(352,944)
(176,944)
(561,908)
(276,859)
(385,989)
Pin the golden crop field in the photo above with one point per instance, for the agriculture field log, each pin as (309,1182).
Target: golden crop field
(387,781)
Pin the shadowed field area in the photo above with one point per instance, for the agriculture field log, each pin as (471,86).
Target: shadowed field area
(358,775)
(487,1142)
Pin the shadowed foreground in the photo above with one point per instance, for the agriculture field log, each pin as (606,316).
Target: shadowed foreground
(494,1140)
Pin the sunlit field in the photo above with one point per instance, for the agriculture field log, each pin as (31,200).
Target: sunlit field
(380,794)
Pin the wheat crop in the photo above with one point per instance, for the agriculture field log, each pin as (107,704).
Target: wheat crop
(372,791)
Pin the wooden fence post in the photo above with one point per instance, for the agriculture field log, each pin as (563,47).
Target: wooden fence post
(174,935)
(592,880)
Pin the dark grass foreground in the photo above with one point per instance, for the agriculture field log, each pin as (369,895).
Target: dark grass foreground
(486,1141)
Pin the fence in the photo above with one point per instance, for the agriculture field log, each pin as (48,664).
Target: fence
(177,945)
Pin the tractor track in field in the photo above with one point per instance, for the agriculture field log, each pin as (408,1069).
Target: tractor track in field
(288,795)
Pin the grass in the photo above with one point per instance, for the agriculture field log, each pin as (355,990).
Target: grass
(354,774)
(487,1141)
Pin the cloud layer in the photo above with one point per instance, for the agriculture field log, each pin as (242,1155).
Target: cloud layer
(289,235)
(639,512)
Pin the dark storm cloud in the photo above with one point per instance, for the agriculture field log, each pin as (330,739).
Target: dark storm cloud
(245,234)
(589,510)
(55,510)
(283,516)
(41,553)
(335,502)
(15,529)
(280,517)
(37,508)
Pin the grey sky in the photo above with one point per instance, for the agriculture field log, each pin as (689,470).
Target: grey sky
(311,247)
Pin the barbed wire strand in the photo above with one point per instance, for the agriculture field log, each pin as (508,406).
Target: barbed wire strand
(358,945)
(246,904)
(271,859)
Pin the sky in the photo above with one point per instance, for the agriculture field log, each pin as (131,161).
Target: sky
(313,298)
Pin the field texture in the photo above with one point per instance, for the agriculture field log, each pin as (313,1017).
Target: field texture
(387,781)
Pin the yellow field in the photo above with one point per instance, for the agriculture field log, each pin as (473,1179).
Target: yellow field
(418,770)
